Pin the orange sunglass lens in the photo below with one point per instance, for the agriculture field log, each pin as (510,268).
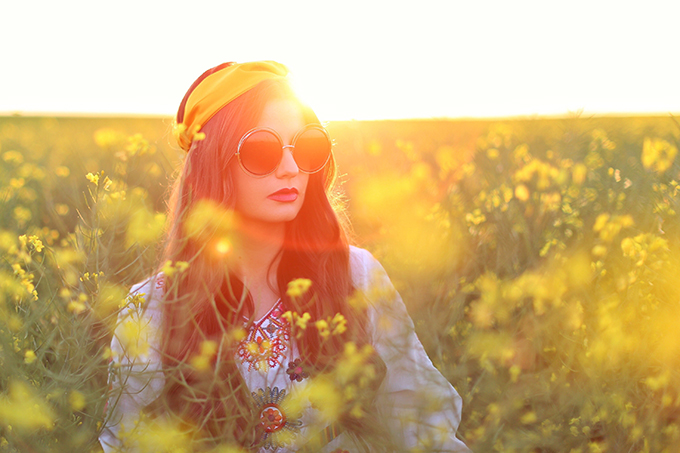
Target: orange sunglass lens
(260,152)
(312,149)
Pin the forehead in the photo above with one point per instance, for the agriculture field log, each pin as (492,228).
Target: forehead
(284,116)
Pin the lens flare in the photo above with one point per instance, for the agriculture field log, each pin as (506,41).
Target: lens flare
(223,246)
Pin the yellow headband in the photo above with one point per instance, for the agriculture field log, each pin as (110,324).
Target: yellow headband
(216,88)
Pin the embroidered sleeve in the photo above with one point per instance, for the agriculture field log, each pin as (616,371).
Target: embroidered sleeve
(419,405)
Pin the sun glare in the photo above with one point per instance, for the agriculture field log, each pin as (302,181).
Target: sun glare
(309,90)
(223,246)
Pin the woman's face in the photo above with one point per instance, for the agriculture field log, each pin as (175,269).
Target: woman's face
(272,199)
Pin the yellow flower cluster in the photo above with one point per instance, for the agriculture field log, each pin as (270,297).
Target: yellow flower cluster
(608,227)
(297,322)
(208,350)
(332,326)
(298,287)
(658,154)
(22,408)
(170,268)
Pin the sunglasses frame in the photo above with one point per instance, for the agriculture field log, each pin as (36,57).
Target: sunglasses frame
(283,148)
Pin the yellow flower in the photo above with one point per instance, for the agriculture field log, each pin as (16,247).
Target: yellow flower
(76,400)
(658,154)
(326,396)
(208,348)
(21,215)
(93,178)
(23,409)
(521,192)
(36,243)
(301,321)
(322,326)
(29,356)
(138,145)
(168,269)
(599,250)
(13,156)
(137,300)
(475,217)
(76,307)
(298,287)
(658,382)
(238,334)
(200,362)
(17,269)
(144,227)
(529,418)
(16,183)
(106,137)
(515,371)
(339,324)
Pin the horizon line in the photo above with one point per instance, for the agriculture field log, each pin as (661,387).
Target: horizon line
(567,115)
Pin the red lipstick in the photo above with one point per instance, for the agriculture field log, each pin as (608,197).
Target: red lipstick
(284,195)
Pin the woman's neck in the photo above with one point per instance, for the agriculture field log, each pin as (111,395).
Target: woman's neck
(255,260)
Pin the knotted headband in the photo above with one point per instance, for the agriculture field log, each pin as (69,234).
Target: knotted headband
(216,88)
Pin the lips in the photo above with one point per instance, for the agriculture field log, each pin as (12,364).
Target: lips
(284,195)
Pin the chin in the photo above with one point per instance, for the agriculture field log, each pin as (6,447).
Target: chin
(288,217)
(286,213)
(281,215)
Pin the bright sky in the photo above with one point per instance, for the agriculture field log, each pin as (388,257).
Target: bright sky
(352,59)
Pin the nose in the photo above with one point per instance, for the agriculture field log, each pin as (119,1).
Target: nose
(287,167)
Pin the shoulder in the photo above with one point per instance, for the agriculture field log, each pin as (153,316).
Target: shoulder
(152,286)
(145,296)
(367,272)
(362,265)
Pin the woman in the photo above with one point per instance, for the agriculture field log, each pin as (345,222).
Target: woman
(264,329)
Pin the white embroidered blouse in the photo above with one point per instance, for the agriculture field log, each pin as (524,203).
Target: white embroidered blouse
(267,361)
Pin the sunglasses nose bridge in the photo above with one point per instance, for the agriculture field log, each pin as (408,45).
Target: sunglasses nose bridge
(287,165)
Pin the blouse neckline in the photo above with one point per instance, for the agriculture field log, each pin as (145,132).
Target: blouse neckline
(266,315)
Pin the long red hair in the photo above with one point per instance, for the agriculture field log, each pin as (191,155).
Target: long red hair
(205,301)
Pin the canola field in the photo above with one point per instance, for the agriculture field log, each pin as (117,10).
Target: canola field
(539,259)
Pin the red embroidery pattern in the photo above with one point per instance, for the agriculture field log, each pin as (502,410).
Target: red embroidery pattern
(160,282)
(266,343)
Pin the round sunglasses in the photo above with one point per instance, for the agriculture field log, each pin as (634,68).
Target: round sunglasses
(260,150)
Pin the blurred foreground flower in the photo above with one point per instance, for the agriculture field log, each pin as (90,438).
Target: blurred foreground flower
(23,410)
(298,287)
(658,154)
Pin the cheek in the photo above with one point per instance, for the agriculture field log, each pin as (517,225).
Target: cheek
(304,182)
(246,189)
